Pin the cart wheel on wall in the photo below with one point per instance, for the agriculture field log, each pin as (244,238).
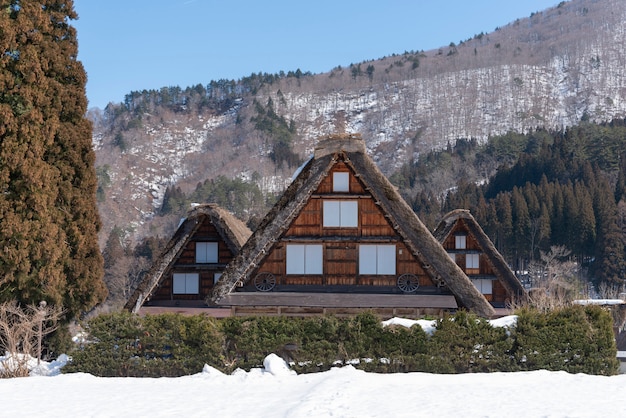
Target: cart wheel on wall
(408,283)
(264,282)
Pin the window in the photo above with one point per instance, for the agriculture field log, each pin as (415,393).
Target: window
(341,213)
(460,242)
(472,261)
(186,284)
(206,252)
(304,259)
(377,259)
(452,256)
(485,286)
(216,277)
(341,182)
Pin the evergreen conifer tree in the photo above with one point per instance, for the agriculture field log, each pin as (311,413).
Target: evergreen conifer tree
(610,263)
(520,219)
(48,216)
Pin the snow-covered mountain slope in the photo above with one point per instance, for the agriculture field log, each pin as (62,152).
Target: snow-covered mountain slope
(548,70)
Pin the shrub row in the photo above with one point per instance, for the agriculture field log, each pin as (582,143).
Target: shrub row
(575,339)
(123,344)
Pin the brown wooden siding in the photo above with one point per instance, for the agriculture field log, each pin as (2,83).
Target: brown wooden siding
(186,263)
(305,304)
(340,263)
(326,185)
(164,292)
(275,263)
(470,241)
(499,293)
(341,267)
(485,266)
(309,221)
(188,254)
(373,221)
(383,313)
(341,245)
(408,264)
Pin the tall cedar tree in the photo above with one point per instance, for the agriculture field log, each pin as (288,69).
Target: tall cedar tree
(48,216)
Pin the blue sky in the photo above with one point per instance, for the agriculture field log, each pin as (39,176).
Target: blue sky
(132,45)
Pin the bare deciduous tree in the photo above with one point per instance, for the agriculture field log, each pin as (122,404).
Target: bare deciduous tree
(555,279)
(612,290)
(21,334)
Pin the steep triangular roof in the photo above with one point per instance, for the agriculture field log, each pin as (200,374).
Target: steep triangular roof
(504,273)
(233,231)
(351,148)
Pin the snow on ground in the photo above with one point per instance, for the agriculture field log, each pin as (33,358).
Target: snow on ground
(343,392)
(276,391)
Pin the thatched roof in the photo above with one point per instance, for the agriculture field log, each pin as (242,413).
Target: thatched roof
(503,272)
(233,232)
(416,236)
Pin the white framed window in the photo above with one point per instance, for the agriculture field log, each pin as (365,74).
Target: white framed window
(216,277)
(377,259)
(186,284)
(472,261)
(460,242)
(484,286)
(206,252)
(341,213)
(305,259)
(452,256)
(341,182)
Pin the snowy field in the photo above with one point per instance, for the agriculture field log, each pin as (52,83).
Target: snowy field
(276,391)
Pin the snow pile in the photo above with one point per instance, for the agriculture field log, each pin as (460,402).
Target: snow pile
(276,366)
(11,362)
(211,371)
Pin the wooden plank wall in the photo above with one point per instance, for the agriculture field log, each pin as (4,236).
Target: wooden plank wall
(186,263)
(499,294)
(384,313)
(340,252)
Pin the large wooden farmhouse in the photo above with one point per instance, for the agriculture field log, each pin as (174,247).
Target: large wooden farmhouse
(342,240)
(192,262)
(472,250)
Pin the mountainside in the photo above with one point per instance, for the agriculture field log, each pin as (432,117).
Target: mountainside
(550,70)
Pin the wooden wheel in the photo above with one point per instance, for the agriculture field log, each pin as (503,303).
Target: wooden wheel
(264,282)
(408,283)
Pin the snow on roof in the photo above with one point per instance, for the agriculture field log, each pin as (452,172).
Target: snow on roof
(599,302)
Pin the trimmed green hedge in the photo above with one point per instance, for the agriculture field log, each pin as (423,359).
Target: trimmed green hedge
(123,344)
(576,339)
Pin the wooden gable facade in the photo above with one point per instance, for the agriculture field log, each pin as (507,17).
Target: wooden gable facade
(193,261)
(340,240)
(472,250)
